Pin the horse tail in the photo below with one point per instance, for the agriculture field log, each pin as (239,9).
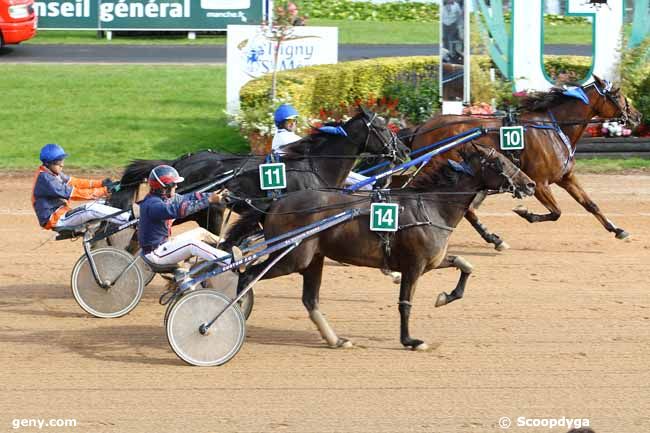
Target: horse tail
(247,225)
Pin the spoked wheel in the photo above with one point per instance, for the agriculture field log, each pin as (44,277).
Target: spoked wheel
(118,299)
(220,343)
(226,283)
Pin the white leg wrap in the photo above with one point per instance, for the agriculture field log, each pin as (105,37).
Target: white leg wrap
(324,327)
(463,265)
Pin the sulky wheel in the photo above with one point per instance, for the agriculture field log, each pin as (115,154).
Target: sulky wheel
(115,301)
(145,270)
(226,283)
(216,346)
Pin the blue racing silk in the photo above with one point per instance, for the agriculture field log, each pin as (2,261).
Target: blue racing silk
(157,215)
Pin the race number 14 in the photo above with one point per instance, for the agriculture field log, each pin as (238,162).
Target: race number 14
(512,137)
(384,217)
(273,176)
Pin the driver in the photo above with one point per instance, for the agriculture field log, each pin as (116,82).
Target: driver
(285,121)
(53,190)
(158,211)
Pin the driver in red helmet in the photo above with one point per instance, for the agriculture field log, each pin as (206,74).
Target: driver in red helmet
(158,211)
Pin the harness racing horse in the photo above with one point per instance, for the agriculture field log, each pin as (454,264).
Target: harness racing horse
(554,122)
(431,208)
(317,161)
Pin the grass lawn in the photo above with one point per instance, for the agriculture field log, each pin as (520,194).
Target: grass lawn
(104,116)
(369,32)
(350,32)
(605,165)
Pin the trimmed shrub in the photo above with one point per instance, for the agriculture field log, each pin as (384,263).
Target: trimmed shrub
(313,88)
(396,11)
(367,11)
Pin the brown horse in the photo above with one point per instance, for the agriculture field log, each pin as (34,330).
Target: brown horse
(554,122)
(430,209)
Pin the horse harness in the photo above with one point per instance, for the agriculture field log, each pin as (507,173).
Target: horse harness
(382,196)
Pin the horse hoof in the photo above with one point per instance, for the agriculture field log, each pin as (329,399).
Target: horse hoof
(442,300)
(343,343)
(397,277)
(622,235)
(502,246)
(520,210)
(423,347)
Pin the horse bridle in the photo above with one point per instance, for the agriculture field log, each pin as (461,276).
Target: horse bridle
(607,94)
(390,146)
(491,160)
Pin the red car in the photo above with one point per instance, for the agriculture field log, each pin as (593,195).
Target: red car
(17,21)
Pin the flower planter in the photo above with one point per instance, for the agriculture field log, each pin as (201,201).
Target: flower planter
(260,144)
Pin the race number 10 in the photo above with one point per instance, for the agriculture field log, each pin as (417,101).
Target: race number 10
(273,176)
(384,217)
(512,137)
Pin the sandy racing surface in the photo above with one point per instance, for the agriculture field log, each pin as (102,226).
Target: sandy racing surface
(558,326)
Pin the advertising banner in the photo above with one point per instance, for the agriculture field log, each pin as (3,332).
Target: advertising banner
(251,49)
(182,15)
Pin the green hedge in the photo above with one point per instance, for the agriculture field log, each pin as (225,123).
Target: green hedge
(640,96)
(326,87)
(368,11)
(414,11)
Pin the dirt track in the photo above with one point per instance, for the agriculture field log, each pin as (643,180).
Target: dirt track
(558,326)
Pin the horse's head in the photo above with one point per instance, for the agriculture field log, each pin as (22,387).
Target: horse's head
(379,139)
(611,103)
(497,172)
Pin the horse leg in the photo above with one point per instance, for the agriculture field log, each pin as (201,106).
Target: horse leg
(407,289)
(545,196)
(570,183)
(492,238)
(465,269)
(312,277)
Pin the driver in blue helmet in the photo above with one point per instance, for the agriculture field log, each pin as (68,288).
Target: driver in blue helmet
(285,121)
(53,190)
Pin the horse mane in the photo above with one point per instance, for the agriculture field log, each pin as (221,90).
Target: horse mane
(299,148)
(437,173)
(407,135)
(138,171)
(542,101)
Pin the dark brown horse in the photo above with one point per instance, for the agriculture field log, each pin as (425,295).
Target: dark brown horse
(547,157)
(430,210)
(319,160)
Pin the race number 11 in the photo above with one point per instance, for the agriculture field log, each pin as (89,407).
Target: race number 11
(273,176)
(512,137)
(384,217)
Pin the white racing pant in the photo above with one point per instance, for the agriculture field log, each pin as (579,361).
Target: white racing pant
(184,246)
(356,178)
(90,211)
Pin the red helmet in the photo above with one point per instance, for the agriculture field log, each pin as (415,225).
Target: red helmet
(163,177)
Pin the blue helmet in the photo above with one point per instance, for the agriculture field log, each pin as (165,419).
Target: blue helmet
(52,152)
(284,112)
